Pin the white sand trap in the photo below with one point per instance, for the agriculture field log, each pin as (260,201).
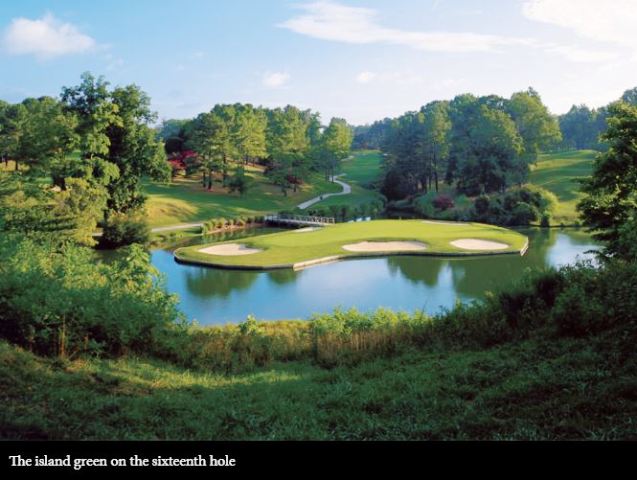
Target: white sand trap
(475,244)
(307,229)
(433,222)
(230,249)
(410,246)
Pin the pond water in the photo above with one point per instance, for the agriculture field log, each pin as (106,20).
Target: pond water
(216,296)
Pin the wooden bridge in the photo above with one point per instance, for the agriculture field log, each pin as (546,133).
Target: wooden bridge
(300,220)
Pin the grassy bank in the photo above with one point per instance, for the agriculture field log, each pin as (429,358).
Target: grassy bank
(559,173)
(185,200)
(570,389)
(289,248)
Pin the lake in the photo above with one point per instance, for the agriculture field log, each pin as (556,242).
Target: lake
(216,296)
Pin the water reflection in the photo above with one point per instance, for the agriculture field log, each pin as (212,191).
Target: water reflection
(215,296)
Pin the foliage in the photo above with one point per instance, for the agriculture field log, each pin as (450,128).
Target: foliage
(32,210)
(610,205)
(60,301)
(517,206)
(122,229)
(334,145)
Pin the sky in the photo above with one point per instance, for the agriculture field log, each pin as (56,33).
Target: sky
(362,60)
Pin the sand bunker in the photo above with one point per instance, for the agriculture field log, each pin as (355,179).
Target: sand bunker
(229,249)
(306,229)
(410,246)
(475,244)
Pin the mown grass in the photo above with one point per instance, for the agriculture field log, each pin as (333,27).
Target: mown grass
(185,200)
(536,389)
(559,173)
(360,172)
(290,247)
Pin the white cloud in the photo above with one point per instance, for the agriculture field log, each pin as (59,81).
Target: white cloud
(581,55)
(46,37)
(612,22)
(332,21)
(275,79)
(327,20)
(365,77)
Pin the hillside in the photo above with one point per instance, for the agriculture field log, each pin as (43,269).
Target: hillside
(184,200)
(557,389)
(559,173)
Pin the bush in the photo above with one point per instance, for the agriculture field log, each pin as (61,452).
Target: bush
(523,214)
(443,202)
(124,229)
(62,302)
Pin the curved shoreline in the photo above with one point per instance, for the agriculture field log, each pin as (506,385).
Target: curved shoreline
(379,238)
(342,257)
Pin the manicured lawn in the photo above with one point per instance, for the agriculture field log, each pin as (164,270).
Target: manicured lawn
(559,173)
(364,168)
(288,248)
(359,171)
(185,200)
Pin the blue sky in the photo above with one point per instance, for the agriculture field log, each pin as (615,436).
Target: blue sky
(357,59)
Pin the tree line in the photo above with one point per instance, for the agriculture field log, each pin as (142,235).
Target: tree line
(289,142)
(582,126)
(96,143)
(478,144)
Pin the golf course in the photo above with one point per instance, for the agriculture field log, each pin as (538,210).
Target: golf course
(309,246)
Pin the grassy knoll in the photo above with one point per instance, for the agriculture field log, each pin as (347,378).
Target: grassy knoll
(559,173)
(185,200)
(288,248)
(556,389)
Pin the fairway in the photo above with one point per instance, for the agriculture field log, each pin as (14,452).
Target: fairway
(359,171)
(559,173)
(294,249)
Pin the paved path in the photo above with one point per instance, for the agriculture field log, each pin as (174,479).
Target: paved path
(347,189)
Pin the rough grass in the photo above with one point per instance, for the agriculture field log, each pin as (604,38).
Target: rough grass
(288,248)
(538,389)
(559,173)
(185,200)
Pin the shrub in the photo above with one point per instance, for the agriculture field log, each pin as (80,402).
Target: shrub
(124,229)
(443,202)
(62,302)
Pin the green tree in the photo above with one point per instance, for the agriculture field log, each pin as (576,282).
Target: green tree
(537,127)
(436,130)
(610,205)
(334,145)
(492,154)
(288,145)
(203,137)
(251,124)
(117,144)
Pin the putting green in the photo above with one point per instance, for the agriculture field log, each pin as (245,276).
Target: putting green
(294,249)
